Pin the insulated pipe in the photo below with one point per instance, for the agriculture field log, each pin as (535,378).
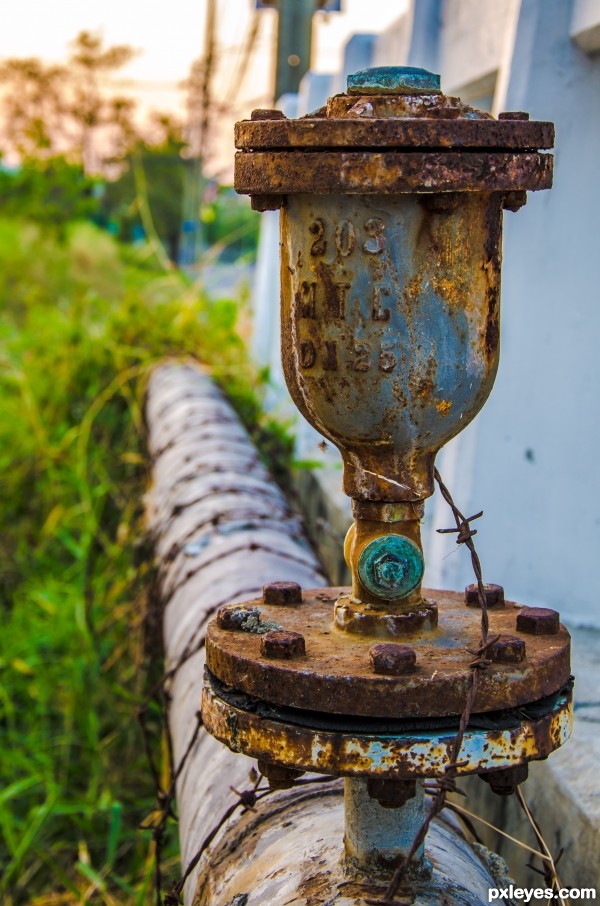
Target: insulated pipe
(222,529)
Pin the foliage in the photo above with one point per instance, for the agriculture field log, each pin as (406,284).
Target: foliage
(81,322)
(52,191)
(50,109)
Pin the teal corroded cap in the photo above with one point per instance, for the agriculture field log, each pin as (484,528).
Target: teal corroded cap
(394,80)
(390,567)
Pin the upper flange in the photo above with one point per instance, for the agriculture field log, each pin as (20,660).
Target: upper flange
(334,674)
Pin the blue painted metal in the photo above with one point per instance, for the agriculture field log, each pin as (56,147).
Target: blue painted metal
(374,833)
(394,80)
(386,301)
(391,566)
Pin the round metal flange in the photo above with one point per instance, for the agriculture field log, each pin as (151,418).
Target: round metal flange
(239,723)
(335,675)
(352,172)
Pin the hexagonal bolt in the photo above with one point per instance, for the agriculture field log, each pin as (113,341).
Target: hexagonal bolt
(505,781)
(282,593)
(513,115)
(538,621)
(282,644)
(494,595)
(391,793)
(508,649)
(279,776)
(390,567)
(233,616)
(267,114)
(391,659)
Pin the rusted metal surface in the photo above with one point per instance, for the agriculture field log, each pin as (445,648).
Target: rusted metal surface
(538,621)
(391,659)
(335,675)
(389,172)
(284,593)
(390,329)
(289,850)
(384,622)
(494,595)
(421,753)
(492,135)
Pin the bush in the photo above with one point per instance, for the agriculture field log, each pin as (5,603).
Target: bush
(80,325)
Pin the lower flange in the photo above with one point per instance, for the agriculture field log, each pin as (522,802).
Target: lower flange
(527,735)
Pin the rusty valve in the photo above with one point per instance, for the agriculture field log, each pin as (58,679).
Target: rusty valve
(392,199)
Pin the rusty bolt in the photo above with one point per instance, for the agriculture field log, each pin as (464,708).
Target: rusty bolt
(494,595)
(513,115)
(233,616)
(267,114)
(391,659)
(538,621)
(505,781)
(279,776)
(391,793)
(282,644)
(508,649)
(282,593)
(266,202)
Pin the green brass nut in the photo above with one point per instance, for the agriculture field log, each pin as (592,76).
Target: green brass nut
(394,80)
(390,567)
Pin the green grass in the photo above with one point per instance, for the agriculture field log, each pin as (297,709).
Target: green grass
(81,321)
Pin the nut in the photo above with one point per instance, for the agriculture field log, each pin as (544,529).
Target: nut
(538,621)
(494,595)
(513,115)
(508,649)
(267,114)
(266,202)
(280,777)
(391,793)
(505,781)
(391,659)
(233,616)
(282,593)
(282,644)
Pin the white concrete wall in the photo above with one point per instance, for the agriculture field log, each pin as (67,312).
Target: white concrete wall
(530,459)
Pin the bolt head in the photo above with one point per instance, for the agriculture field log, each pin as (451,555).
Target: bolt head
(508,649)
(494,595)
(282,644)
(505,781)
(513,115)
(538,621)
(267,114)
(233,616)
(391,659)
(279,776)
(391,793)
(394,80)
(282,593)
(390,567)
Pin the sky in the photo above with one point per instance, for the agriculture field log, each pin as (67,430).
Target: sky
(169,36)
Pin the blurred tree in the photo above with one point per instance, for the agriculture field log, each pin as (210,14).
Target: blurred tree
(50,191)
(49,109)
(150,186)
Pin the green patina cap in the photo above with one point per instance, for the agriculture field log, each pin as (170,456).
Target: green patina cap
(394,80)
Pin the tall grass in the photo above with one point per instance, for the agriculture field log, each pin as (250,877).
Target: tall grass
(80,324)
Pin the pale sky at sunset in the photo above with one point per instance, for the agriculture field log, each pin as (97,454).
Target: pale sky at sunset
(169,36)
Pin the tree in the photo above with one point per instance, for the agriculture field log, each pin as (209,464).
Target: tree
(50,109)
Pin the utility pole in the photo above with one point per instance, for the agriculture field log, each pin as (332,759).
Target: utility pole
(294,42)
(294,39)
(200,99)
